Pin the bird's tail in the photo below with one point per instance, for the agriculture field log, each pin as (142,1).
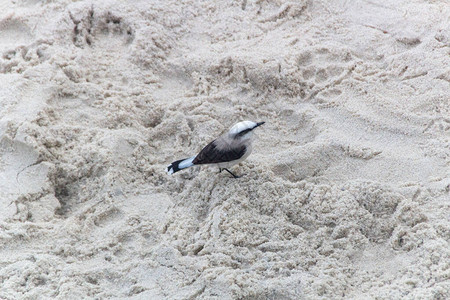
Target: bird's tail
(180,165)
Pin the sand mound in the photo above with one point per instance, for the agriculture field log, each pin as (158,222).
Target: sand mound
(346,195)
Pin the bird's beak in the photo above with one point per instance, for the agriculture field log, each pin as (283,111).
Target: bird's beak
(258,124)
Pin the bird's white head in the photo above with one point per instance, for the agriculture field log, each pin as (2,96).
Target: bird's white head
(243,130)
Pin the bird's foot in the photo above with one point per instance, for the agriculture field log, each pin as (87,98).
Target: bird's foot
(235,176)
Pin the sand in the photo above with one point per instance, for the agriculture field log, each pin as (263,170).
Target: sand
(346,193)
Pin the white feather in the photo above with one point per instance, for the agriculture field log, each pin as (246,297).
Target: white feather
(241,126)
(186,163)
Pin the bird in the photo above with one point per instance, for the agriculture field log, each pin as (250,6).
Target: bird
(225,151)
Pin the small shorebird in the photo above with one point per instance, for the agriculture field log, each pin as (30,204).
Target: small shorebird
(227,150)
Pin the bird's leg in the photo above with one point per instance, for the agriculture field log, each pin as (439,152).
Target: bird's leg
(230,173)
(220,170)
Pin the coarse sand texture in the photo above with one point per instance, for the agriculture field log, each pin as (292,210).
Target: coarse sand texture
(345,195)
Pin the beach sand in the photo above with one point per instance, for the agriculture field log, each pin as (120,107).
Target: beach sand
(346,193)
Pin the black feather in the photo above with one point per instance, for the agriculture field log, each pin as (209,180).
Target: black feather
(175,166)
(210,154)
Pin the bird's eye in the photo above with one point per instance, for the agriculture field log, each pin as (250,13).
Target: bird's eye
(242,133)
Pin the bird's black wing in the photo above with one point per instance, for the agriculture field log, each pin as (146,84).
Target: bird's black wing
(211,154)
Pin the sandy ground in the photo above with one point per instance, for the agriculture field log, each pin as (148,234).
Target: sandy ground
(346,194)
